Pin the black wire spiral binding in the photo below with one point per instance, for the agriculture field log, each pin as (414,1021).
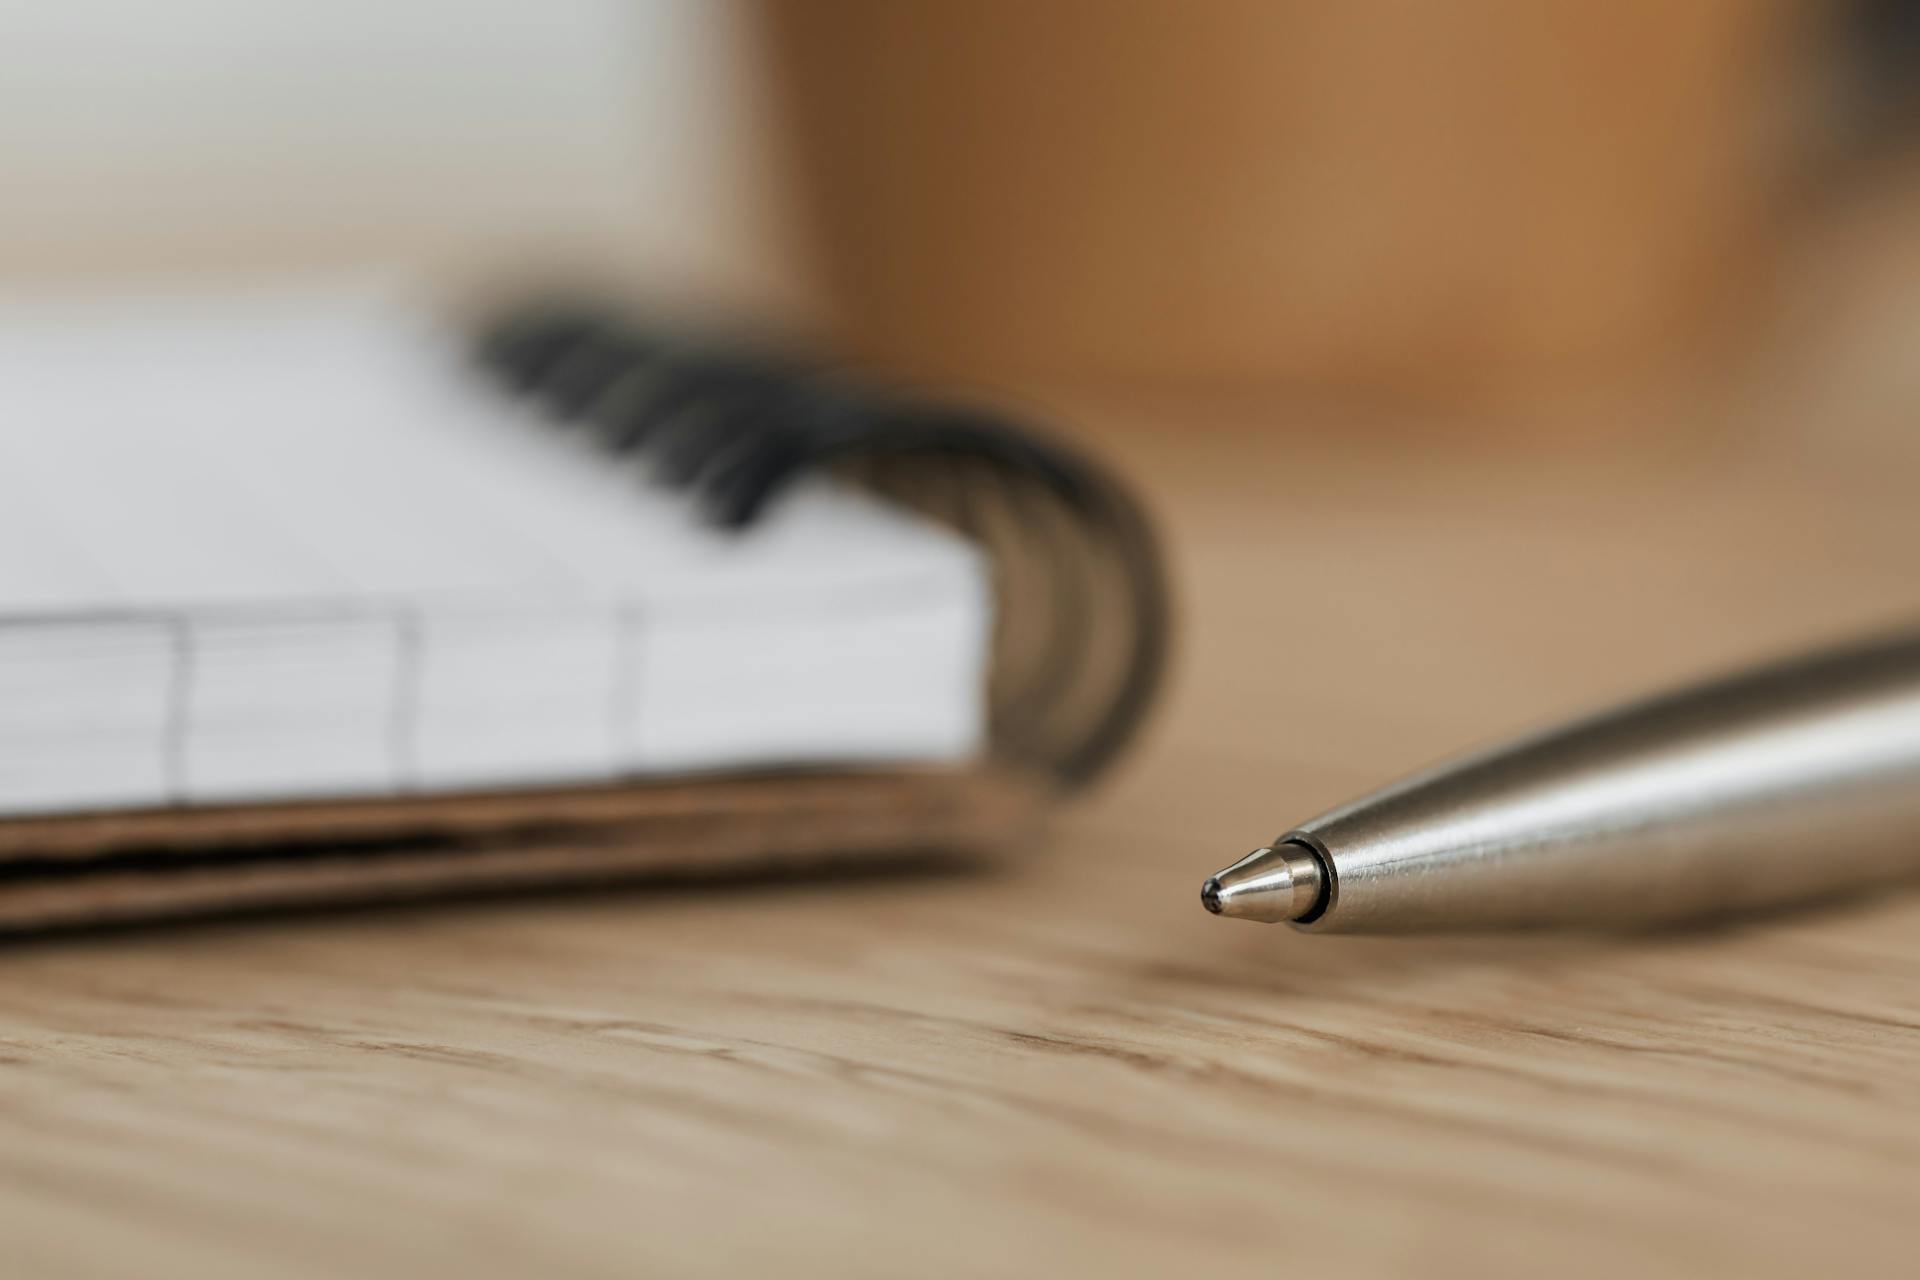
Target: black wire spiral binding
(1082,628)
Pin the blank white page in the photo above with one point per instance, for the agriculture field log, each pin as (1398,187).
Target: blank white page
(314,553)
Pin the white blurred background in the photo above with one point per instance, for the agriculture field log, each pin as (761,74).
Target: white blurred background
(1461,209)
(448,138)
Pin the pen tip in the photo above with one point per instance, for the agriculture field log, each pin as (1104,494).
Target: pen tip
(1271,885)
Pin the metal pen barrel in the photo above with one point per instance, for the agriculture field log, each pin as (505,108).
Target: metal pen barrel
(1779,785)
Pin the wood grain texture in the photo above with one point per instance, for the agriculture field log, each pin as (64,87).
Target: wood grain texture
(1063,1066)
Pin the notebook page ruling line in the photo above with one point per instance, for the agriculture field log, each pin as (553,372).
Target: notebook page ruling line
(87,707)
(288,705)
(891,685)
(521,695)
(790,582)
(278,425)
(87,684)
(105,411)
(839,629)
(483,610)
(491,552)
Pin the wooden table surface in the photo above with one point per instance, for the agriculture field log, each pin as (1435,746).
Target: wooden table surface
(1062,1065)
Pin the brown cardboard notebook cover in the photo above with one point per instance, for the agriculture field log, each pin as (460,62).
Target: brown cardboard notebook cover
(99,868)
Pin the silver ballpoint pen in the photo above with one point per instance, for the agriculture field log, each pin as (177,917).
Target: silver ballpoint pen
(1775,786)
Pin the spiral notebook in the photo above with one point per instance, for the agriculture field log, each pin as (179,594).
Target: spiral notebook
(297,602)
